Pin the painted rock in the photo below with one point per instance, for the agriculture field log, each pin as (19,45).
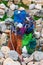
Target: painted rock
(19,15)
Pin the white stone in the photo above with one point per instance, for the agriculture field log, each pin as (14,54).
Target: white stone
(1,61)
(12,7)
(41,62)
(38,55)
(23,63)
(37,34)
(5,49)
(19,25)
(41,41)
(2,5)
(10,13)
(31,63)
(26,60)
(3,38)
(42,33)
(31,6)
(21,8)
(26,2)
(39,21)
(1,55)
(16,6)
(13,55)
(16,1)
(38,27)
(24,50)
(38,6)
(2,10)
(9,61)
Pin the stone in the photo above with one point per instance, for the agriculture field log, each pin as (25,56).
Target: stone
(3,38)
(24,50)
(39,28)
(1,61)
(2,26)
(39,21)
(26,60)
(21,8)
(10,13)
(33,63)
(31,6)
(19,25)
(1,55)
(25,55)
(26,2)
(42,33)
(37,34)
(38,6)
(37,55)
(13,55)
(5,49)
(9,61)
(17,63)
(23,63)
(16,1)
(9,3)
(41,62)
(16,6)
(41,41)
(2,10)
(12,7)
